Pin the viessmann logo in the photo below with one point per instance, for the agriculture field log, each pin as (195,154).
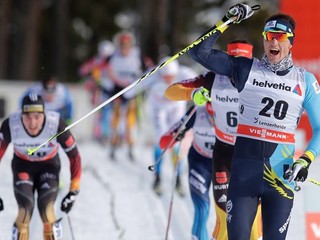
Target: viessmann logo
(266,84)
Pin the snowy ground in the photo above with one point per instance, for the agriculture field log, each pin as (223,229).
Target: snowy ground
(116,200)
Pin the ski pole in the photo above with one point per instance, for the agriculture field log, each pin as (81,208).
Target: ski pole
(298,188)
(175,175)
(314,181)
(180,129)
(70,226)
(183,51)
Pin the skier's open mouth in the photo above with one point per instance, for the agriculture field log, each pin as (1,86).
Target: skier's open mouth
(274,52)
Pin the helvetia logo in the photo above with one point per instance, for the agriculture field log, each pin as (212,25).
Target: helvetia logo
(227,99)
(266,84)
(297,90)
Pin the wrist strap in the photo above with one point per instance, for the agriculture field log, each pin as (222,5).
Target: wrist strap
(309,155)
(193,92)
(306,159)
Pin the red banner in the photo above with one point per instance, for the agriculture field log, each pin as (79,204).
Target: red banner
(313,226)
(306,47)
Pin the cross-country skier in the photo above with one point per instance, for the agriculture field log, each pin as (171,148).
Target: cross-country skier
(199,161)
(123,69)
(100,87)
(39,172)
(56,96)
(224,99)
(273,93)
(164,113)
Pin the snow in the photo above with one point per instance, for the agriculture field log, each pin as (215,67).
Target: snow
(116,200)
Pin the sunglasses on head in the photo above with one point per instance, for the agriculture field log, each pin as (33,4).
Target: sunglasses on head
(279,36)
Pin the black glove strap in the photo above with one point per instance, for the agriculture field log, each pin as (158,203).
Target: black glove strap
(307,160)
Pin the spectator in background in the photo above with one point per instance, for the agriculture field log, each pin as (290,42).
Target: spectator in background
(56,96)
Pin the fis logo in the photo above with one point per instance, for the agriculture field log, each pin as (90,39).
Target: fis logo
(229,206)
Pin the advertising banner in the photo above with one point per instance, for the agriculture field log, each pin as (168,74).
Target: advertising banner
(306,47)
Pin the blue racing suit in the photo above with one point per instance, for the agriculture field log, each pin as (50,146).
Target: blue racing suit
(200,165)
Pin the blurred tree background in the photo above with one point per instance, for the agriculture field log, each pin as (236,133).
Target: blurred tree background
(40,37)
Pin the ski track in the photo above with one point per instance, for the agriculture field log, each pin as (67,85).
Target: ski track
(116,200)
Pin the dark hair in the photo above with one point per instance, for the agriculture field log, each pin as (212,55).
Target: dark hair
(45,80)
(283,16)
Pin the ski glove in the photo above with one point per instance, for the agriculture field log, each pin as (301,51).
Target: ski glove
(167,138)
(181,135)
(298,171)
(239,12)
(68,201)
(1,205)
(200,96)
